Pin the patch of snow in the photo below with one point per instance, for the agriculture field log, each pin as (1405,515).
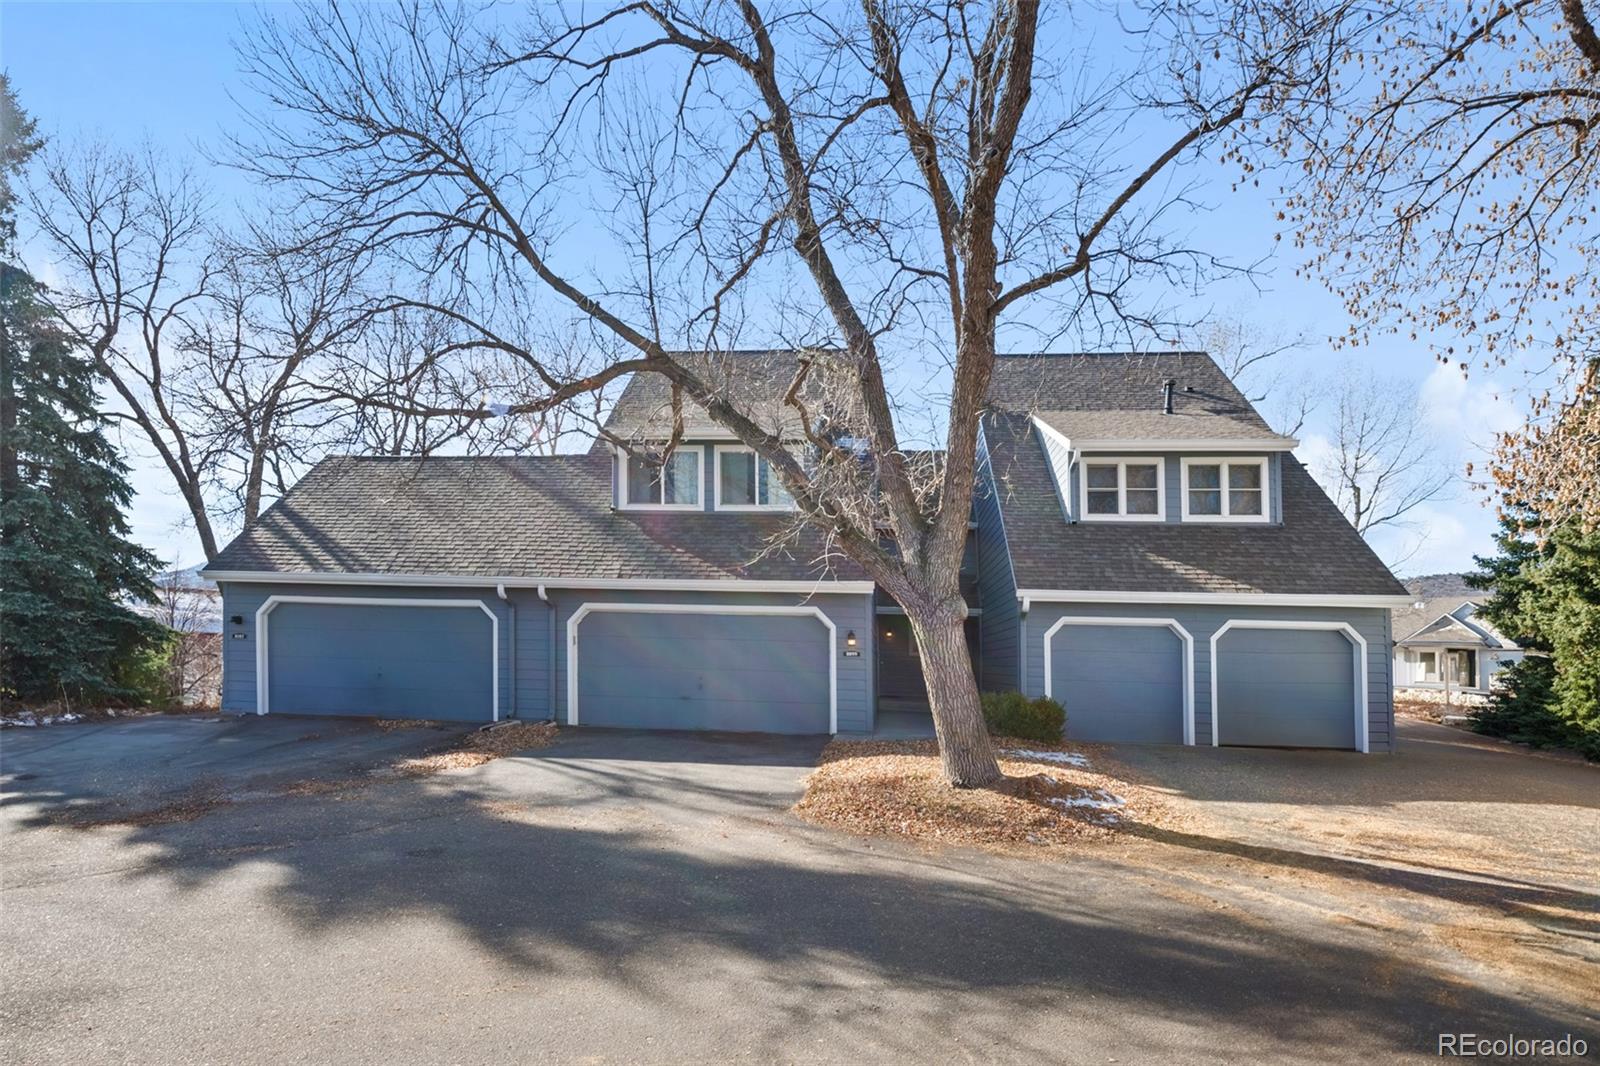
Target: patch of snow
(27,719)
(1095,798)
(1070,758)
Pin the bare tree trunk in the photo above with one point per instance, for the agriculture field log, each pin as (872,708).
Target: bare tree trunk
(953,694)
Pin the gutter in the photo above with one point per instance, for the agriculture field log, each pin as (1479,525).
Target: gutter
(511,659)
(551,672)
(733,585)
(1272,599)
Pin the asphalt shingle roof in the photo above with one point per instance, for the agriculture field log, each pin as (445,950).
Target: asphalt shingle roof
(1437,595)
(509,517)
(755,381)
(1313,552)
(1118,396)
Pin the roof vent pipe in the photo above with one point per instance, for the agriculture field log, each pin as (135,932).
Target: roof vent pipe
(1166,396)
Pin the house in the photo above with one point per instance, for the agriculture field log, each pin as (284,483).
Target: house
(1443,651)
(1144,548)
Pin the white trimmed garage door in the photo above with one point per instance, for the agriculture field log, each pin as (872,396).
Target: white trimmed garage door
(1293,688)
(1119,682)
(742,672)
(387,659)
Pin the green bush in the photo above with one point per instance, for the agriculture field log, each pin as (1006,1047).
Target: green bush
(144,673)
(1011,714)
(1526,708)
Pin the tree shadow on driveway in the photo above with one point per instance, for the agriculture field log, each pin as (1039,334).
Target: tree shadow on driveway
(642,891)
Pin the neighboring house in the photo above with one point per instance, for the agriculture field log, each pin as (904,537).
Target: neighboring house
(1143,567)
(1442,649)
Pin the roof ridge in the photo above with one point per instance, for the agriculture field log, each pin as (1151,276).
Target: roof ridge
(1124,353)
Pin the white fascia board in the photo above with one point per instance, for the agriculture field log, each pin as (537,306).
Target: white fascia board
(1265,444)
(1275,599)
(490,581)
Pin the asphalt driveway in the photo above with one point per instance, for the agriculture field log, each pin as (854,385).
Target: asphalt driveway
(624,897)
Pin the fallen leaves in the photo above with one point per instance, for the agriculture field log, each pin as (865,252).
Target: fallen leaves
(1049,797)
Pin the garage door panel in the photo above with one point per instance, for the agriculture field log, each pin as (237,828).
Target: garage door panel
(655,670)
(1119,683)
(1286,688)
(381,660)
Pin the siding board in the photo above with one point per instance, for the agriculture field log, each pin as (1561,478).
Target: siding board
(1000,625)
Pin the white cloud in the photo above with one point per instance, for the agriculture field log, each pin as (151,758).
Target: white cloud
(1437,537)
(1465,413)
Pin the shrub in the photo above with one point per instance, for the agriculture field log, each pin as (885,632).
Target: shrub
(1011,714)
(1527,708)
(144,673)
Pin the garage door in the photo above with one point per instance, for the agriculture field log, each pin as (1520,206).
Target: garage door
(1121,683)
(387,661)
(1286,688)
(751,673)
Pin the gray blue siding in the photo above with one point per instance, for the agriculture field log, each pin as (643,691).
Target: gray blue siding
(999,626)
(1202,621)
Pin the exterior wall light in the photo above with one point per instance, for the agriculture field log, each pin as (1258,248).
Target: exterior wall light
(850,639)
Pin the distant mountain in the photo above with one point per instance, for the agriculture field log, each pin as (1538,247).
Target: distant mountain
(187,578)
(1431,586)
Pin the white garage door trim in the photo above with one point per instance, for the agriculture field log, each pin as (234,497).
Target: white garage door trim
(265,610)
(586,609)
(1152,623)
(1358,656)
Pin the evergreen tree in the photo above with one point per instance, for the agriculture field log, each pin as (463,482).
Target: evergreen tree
(1546,595)
(67,569)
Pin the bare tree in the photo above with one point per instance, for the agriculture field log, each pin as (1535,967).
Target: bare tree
(1252,353)
(866,183)
(376,397)
(1446,186)
(242,360)
(133,244)
(193,612)
(258,347)
(1384,463)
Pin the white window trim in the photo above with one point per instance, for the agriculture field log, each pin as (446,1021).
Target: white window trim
(700,484)
(586,609)
(1154,623)
(1122,463)
(716,481)
(264,612)
(1224,462)
(1358,656)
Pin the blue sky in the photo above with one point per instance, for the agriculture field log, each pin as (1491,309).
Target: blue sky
(163,73)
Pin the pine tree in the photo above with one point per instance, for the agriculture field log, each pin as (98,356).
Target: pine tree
(1546,595)
(67,568)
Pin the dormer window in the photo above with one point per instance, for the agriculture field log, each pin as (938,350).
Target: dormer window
(1225,490)
(1123,490)
(648,482)
(746,482)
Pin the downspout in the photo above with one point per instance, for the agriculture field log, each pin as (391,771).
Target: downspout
(511,609)
(551,672)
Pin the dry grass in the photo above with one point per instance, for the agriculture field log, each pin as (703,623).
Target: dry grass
(394,725)
(482,746)
(897,788)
